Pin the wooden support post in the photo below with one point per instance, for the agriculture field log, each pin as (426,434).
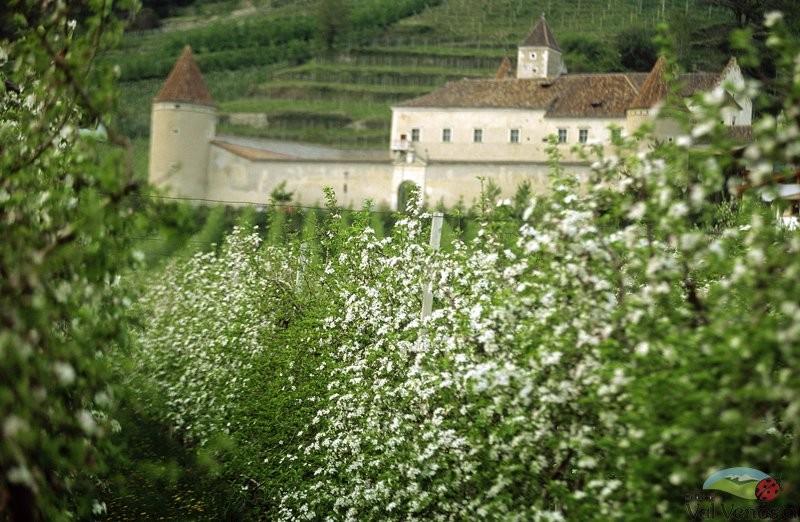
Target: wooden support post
(435,242)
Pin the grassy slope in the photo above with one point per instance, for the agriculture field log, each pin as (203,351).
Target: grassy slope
(743,489)
(456,38)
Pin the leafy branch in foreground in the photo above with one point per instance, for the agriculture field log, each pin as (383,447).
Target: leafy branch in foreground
(65,206)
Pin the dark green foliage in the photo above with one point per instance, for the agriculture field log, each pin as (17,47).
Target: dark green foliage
(404,193)
(165,7)
(280,195)
(587,54)
(65,219)
(144,20)
(750,13)
(636,48)
(333,22)
(156,476)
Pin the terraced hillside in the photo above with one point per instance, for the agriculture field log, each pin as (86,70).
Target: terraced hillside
(266,72)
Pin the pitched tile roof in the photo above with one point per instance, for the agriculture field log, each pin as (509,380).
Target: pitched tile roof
(569,95)
(572,95)
(595,95)
(541,36)
(655,86)
(256,149)
(185,83)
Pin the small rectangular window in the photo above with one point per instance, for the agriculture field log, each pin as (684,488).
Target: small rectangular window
(514,136)
(583,135)
(477,136)
(446,135)
(414,135)
(562,135)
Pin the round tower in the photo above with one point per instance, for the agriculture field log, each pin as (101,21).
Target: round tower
(183,124)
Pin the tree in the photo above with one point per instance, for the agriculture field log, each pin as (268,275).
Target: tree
(750,13)
(65,205)
(585,54)
(637,51)
(333,19)
(748,17)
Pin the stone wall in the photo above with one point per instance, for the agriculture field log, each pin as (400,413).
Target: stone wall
(233,178)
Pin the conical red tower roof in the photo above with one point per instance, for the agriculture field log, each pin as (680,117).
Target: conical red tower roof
(654,88)
(185,83)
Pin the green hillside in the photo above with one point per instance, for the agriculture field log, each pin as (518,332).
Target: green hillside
(265,57)
(740,488)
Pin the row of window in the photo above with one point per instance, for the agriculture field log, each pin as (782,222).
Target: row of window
(513,135)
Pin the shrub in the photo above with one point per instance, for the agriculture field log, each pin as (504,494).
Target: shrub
(626,343)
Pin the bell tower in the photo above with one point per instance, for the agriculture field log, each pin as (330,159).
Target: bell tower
(539,56)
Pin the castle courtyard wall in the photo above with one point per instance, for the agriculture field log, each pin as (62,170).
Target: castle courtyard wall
(233,178)
(454,182)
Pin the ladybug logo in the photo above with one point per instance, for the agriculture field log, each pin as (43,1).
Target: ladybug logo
(744,483)
(767,489)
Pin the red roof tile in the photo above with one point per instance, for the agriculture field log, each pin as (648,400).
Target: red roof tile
(571,95)
(185,83)
(655,86)
(541,36)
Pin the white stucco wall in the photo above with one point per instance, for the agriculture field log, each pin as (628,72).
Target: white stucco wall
(538,62)
(450,182)
(496,124)
(180,136)
(234,178)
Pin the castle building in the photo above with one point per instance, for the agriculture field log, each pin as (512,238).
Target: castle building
(495,128)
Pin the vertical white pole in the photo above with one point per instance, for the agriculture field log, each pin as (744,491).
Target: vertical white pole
(301,266)
(435,242)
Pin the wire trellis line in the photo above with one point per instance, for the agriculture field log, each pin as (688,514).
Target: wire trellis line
(310,207)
